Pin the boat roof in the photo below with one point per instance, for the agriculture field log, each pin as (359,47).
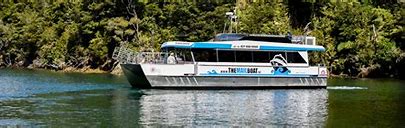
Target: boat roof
(252,37)
(243,45)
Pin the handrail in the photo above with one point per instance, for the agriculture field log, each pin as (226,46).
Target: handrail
(128,56)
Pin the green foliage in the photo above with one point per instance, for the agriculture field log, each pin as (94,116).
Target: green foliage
(358,36)
(270,18)
(361,39)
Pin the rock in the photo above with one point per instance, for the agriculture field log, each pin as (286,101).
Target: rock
(30,66)
(117,70)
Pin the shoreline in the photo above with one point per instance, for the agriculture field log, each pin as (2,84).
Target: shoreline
(82,70)
(117,71)
(66,70)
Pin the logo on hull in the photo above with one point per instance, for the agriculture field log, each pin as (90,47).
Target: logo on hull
(280,71)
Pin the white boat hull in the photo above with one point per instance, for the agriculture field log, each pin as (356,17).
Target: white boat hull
(140,77)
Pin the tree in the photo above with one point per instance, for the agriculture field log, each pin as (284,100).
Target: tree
(360,38)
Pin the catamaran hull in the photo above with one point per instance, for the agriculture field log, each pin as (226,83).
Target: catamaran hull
(138,79)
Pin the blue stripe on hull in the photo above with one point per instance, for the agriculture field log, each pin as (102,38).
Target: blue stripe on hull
(259,75)
(280,48)
(211,45)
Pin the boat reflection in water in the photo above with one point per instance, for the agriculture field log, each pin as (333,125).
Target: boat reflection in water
(233,107)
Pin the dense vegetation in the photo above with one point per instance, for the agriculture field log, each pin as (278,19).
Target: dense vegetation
(362,39)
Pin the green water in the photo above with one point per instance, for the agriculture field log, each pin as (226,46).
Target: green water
(49,99)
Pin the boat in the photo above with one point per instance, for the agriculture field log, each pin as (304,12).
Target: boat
(230,60)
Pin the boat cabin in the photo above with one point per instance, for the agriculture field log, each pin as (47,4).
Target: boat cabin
(242,48)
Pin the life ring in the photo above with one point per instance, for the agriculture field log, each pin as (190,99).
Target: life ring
(323,72)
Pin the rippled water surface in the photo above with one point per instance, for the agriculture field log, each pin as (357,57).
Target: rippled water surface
(49,99)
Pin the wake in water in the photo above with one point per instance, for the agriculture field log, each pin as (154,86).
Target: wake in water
(345,87)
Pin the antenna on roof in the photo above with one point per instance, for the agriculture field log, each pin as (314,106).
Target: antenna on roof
(289,35)
(306,29)
(233,19)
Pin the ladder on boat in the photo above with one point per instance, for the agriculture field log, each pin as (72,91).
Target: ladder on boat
(124,55)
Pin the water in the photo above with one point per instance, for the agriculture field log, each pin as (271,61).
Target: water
(49,99)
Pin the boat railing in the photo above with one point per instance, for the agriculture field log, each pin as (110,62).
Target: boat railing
(151,57)
(128,56)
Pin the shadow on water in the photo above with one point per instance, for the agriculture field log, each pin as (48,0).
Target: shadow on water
(49,99)
(234,108)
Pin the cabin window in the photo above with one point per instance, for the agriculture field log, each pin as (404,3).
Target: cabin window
(226,56)
(295,57)
(210,55)
(181,55)
(184,55)
(205,55)
(262,57)
(244,56)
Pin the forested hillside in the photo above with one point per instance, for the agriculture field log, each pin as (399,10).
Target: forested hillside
(361,39)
